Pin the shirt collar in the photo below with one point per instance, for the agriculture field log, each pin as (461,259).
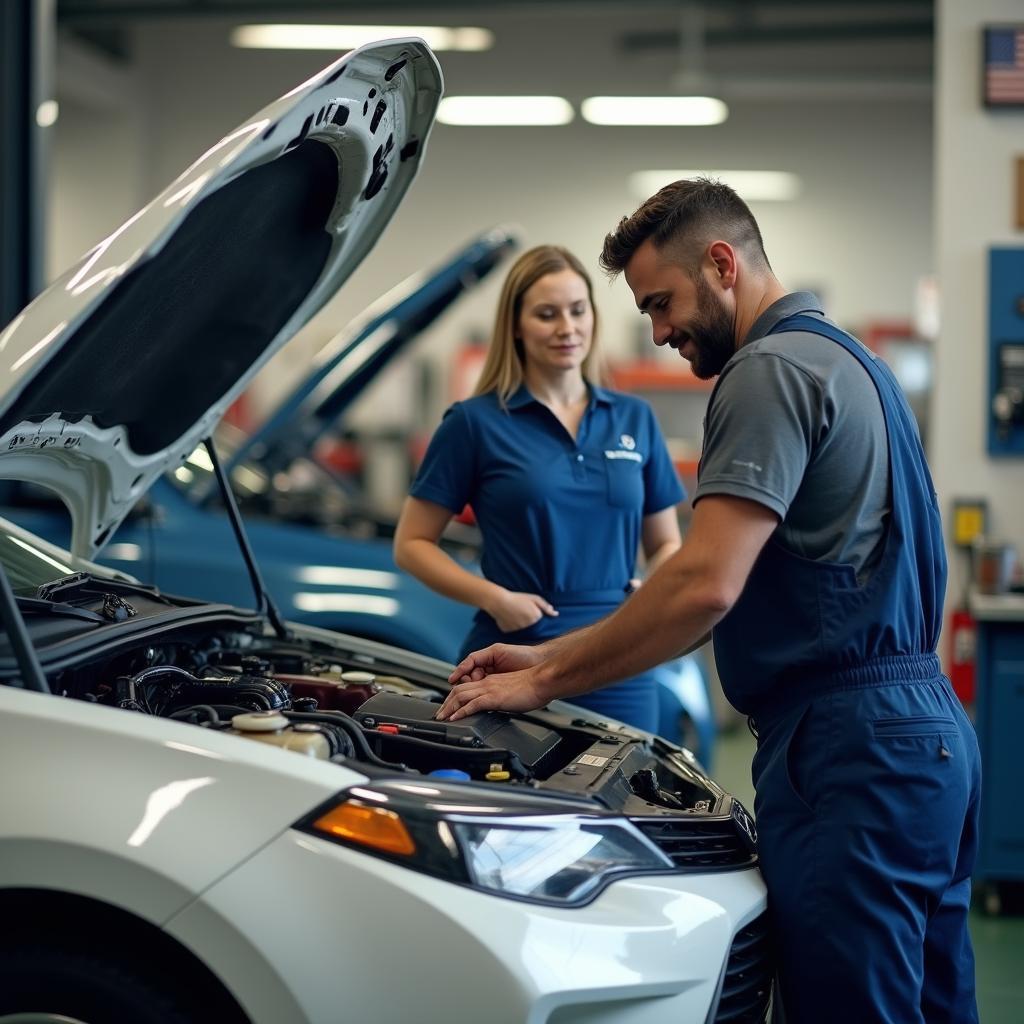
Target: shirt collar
(789,305)
(522,397)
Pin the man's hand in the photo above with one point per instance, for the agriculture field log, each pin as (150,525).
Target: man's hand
(513,609)
(495,659)
(508,691)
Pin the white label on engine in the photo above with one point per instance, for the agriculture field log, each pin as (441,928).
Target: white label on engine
(597,762)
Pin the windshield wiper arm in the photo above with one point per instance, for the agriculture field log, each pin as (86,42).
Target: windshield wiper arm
(81,583)
(41,606)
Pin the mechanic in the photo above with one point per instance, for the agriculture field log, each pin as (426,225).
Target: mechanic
(815,558)
(566,480)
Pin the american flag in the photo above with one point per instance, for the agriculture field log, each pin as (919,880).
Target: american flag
(1004,66)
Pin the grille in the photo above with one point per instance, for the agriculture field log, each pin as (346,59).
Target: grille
(700,844)
(747,983)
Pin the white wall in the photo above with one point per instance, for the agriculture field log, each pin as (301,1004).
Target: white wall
(975,150)
(96,178)
(861,231)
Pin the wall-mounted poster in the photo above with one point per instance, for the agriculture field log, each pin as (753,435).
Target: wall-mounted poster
(1003,85)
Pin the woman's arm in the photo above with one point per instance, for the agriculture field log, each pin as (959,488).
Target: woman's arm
(660,537)
(417,551)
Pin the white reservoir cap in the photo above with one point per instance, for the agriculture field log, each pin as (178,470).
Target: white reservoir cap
(259,721)
(357,677)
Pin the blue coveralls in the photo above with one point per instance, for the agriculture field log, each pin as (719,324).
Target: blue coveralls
(867,770)
(560,517)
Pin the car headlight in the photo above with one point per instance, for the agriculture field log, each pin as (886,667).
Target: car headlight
(513,845)
(559,860)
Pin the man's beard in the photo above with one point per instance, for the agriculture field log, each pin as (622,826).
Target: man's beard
(712,333)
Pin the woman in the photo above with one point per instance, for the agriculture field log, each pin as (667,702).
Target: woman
(566,480)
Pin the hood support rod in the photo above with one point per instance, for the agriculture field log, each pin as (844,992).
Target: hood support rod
(264,603)
(32,675)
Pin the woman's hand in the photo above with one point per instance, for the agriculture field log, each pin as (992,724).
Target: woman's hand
(512,609)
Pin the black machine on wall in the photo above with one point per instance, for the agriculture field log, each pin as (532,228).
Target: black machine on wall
(1006,352)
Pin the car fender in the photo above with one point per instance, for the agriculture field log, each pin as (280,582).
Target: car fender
(142,813)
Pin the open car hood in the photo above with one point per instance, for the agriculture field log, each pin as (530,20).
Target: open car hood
(116,371)
(347,365)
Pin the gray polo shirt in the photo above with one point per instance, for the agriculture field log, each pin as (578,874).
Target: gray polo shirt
(796,424)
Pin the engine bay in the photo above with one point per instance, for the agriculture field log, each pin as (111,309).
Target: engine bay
(320,701)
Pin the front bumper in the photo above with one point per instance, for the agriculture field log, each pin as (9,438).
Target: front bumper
(309,931)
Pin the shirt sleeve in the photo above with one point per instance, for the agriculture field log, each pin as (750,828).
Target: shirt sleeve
(762,426)
(447,475)
(662,488)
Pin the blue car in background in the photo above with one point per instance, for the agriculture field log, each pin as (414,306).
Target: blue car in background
(324,559)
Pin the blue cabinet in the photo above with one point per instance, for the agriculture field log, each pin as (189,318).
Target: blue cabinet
(1000,724)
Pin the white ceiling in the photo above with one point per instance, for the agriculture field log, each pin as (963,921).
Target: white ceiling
(741,49)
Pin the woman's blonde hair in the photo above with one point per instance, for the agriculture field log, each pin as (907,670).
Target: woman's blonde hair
(502,372)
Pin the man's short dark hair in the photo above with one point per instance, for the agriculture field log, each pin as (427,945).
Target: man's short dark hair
(681,219)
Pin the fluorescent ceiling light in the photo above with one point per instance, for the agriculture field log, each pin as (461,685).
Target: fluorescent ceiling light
(505,110)
(656,110)
(349,37)
(753,186)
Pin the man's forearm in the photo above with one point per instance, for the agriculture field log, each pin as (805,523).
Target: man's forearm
(669,615)
(559,644)
(562,644)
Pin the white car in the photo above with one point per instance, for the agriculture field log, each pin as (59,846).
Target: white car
(209,814)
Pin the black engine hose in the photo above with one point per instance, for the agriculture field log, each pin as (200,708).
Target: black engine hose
(212,717)
(352,728)
(157,670)
(223,713)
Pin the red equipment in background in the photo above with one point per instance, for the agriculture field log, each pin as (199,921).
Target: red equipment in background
(679,399)
(963,642)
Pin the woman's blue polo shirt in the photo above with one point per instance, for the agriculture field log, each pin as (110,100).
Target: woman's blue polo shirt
(560,517)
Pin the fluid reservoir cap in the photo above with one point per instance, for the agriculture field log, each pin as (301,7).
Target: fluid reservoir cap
(449,773)
(259,721)
(357,677)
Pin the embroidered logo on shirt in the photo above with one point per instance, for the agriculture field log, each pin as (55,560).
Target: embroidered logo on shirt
(631,456)
(627,442)
(747,465)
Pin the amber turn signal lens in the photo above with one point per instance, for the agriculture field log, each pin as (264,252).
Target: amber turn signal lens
(371,826)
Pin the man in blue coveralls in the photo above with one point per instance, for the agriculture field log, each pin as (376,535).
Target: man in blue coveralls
(815,561)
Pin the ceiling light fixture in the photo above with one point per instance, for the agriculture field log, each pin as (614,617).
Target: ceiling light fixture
(654,110)
(505,110)
(753,186)
(350,37)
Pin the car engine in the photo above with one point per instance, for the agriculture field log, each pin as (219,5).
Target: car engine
(319,702)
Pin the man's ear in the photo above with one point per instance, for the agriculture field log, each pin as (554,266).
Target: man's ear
(723,257)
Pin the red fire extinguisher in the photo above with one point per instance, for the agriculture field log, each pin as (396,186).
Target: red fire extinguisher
(963,642)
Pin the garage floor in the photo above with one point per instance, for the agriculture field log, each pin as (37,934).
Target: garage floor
(998,941)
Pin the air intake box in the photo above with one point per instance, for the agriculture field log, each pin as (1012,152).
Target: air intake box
(415,717)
